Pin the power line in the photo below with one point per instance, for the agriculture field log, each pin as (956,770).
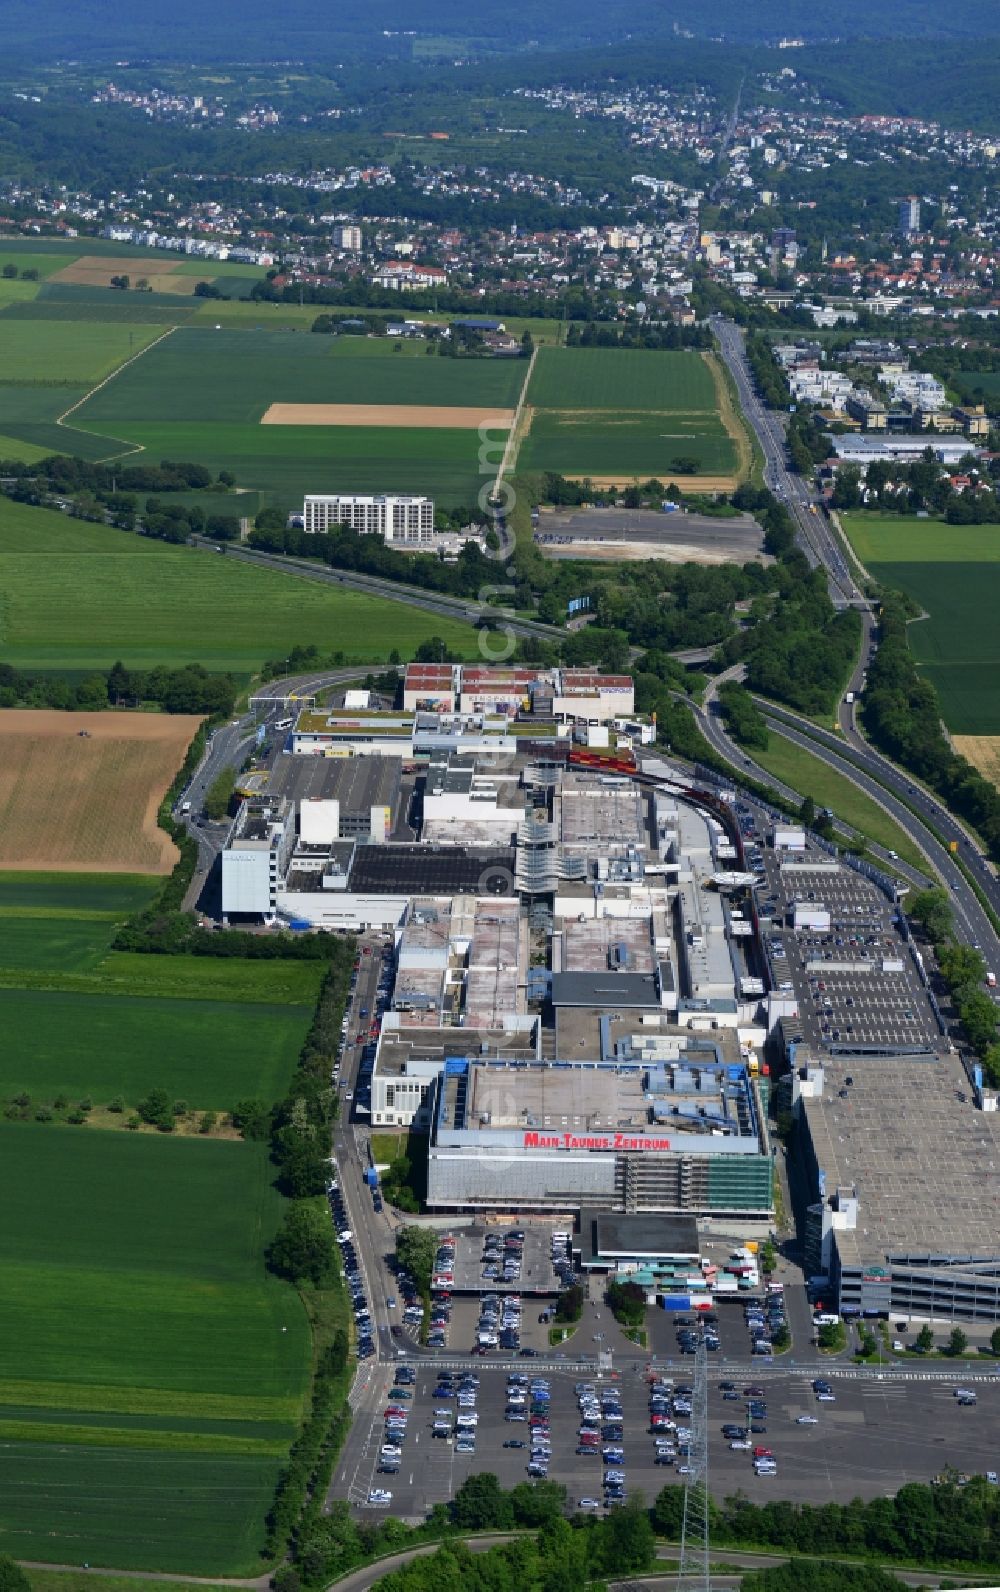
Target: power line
(692,1573)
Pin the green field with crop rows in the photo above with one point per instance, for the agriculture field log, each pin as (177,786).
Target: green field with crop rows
(953,573)
(28,416)
(173,605)
(286,462)
(620,378)
(83,351)
(613,412)
(629,442)
(201,374)
(151,1373)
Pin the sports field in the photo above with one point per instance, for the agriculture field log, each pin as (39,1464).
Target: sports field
(151,1374)
(616,415)
(953,573)
(172,605)
(81,792)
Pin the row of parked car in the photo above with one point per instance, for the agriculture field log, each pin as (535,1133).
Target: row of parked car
(442,1282)
(742,1433)
(602,1434)
(396,1418)
(668,1407)
(688,1335)
(501,1261)
(352,1271)
(499,1322)
(461,1426)
(765,1319)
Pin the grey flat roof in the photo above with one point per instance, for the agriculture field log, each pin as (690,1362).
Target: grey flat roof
(608,989)
(617,1235)
(358,783)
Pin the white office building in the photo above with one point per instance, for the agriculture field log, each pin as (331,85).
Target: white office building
(395,519)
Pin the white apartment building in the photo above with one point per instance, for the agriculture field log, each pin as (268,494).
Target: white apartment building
(346,237)
(395,519)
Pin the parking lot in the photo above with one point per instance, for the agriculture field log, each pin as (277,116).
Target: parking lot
(874,1437)
(476,1268)
(847,980)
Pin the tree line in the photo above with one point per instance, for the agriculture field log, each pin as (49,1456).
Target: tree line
(938,1524)
(190,689)
(963,969)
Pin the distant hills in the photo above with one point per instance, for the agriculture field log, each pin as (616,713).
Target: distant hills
(321,33)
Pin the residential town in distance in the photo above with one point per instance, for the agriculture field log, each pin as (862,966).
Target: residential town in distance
(788,204)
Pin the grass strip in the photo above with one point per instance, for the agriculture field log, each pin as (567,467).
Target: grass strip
(804,772)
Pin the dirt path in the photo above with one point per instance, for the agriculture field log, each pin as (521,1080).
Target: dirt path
(131,447)
(731,419)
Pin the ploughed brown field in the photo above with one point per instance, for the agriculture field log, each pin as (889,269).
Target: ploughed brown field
(80,791)
(412,416)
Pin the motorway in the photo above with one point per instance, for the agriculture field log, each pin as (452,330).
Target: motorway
(491,614)
(848,752)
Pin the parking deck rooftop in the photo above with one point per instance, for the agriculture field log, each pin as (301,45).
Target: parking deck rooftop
(926,1165)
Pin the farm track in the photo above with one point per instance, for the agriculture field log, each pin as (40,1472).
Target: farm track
(731,418)
(61,420)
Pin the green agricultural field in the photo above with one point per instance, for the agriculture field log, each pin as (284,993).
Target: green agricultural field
(173,605)
(198,374)
(28,415)
(253,314)
(903,539)
(84,351)
(102,303)
(627,441)
(90,1581)
(611,412)
(151,1374)
(213,978)
(958,646)
(25,452)
(951,572)
(112,308)
(25,260)
(286,462)
(14,292)
(621,378)
(203,269)
(113,896)
(210,1053)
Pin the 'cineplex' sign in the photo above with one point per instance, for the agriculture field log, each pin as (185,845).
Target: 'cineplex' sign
(605,1141)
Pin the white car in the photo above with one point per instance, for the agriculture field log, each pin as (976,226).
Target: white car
(826,1398)
(742,1444)
(806,1420)
(592,1504)
(380,1495)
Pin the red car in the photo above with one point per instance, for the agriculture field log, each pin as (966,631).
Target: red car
(762,1453)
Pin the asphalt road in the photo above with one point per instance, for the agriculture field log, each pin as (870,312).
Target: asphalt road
(970,918)
(819,542)
(910,803)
